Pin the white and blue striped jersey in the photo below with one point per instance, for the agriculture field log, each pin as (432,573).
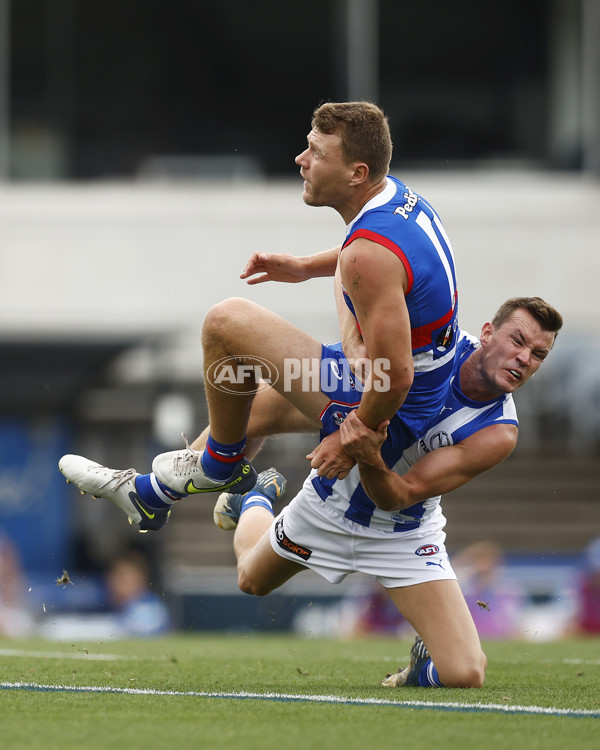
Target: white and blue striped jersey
(459,418)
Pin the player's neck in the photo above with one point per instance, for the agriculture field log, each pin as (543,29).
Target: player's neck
(359,199)
(473,380)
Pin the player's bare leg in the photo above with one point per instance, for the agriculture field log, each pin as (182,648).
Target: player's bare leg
(239,336)
(438,612)
(248,333)
(271,414)
(260,568)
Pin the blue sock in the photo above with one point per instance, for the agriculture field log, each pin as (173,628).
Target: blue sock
(219,460)
(428,676)
(255,499)
(155,493)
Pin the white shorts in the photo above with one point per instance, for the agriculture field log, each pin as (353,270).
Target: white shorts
(310,532)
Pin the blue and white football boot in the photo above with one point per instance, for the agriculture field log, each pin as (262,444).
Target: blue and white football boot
(228,507)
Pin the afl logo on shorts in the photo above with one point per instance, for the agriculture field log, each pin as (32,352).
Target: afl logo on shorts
(338,417)
(427,549)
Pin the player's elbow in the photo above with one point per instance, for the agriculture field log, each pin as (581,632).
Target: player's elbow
(404,380)
(397,381)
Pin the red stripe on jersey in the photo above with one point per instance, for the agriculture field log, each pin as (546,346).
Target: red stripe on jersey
(422,336)
(367,234)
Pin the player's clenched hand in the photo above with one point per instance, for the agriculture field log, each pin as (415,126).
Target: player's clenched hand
(274,267)
(363,444)
(330,459)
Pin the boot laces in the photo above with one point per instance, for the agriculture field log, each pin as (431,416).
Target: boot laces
(120,477)
(188,461)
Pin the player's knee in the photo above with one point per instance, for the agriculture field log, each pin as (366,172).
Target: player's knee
(250,585)
(225,315)
(473,676)
(470,673)
(233,308)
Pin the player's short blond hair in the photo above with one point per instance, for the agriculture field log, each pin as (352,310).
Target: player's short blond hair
(364,131)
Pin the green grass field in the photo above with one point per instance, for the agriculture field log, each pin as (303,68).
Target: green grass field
(191,691)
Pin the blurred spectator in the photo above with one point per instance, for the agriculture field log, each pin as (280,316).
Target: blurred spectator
(140,611)
(376,614)
(15,620)
(496,604)
(588,615)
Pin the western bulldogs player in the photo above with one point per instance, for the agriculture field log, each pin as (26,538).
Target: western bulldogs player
(396,275)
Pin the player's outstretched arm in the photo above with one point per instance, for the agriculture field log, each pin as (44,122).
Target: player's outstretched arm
(262,267)
(437,473)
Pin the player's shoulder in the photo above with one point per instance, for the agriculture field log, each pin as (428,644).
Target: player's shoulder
(467,341)
(494,440)
(465,346)
(360,254)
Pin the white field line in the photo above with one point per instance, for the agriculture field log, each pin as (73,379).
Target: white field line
(324,699)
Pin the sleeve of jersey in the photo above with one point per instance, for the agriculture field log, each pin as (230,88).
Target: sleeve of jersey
(502,413)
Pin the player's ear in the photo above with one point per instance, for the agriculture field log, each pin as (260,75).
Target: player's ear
(486,331)
(360,173)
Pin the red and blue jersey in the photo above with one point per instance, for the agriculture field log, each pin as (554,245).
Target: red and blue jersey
(402,221)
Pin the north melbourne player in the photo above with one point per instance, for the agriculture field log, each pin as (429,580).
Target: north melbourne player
(385,518)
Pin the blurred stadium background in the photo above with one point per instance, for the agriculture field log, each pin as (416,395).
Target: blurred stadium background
(146,149)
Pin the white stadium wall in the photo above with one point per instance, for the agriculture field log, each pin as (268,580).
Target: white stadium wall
(107,260)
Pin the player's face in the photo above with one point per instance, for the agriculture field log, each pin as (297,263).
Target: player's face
(515,350)
(326,175)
